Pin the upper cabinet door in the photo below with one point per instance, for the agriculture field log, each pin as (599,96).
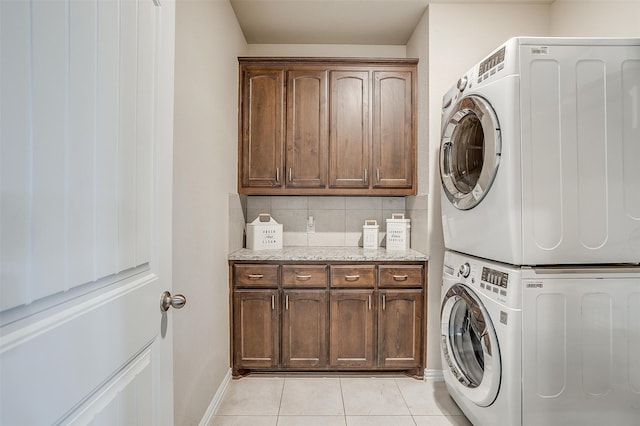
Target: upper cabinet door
(262,128)
(349,141)
(393,129)
(307,129)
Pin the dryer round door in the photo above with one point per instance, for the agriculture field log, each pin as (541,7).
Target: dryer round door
(469,151)
(470,345)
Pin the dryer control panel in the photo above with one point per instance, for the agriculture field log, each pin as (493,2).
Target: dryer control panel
(496,281)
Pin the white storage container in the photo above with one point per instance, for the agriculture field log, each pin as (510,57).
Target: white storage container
(370,234)
(398,232)
(264,233)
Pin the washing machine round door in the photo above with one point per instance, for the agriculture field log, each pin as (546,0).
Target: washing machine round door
(470,345)
(469,151)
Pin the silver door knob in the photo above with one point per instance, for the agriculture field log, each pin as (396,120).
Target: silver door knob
(166,301)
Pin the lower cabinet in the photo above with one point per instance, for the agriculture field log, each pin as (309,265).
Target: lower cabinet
(256,331)
(304,329)
(352,329)
(319,318)
(400,328)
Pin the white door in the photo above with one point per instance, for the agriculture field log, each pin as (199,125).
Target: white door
(86,106)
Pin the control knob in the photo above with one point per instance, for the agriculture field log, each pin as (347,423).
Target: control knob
(462,84)
(465,269)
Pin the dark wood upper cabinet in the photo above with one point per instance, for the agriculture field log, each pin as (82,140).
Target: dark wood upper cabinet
(327,126)
(349,140)
(307,129)
(393,147)
(262,138)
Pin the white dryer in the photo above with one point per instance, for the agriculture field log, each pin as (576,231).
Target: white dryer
(540,152)
(481,325)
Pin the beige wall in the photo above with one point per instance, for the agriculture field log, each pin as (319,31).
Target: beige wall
(208,41)
(604,18)
(339,50)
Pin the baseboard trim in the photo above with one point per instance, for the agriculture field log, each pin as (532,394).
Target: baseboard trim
(433,376)
(215,402)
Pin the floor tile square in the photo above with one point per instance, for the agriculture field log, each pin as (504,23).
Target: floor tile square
(427,398)
(311,421)
(441,421)
(311,396)
(244,421)
(380,421)
(252,396)
(372,396)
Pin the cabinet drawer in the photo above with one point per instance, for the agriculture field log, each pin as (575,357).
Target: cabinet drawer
(256,275)
(304,275)
(400,276)
(353,276)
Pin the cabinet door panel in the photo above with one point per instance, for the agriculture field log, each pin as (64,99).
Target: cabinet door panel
(262,128)
(392,129)
(304,329)
(349,140)
(256,336)
(400,329)
(352,329)
(307,129)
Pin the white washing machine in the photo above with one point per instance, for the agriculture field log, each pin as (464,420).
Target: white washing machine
(541,346)
(481,326)
(539,153)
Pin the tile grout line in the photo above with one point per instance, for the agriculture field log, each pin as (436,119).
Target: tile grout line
(284,383)
(344,408)
(405,401)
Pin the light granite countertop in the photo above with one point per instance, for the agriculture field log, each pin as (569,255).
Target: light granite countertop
(334,254)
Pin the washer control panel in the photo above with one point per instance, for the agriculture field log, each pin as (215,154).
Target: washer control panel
(499,282)
(494,281)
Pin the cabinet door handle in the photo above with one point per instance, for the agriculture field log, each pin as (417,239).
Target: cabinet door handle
(352,277)
(369,302)
(255,276)
(377,175)
(286,302)
(365,176)
(384,302)
(273,302)
(290,173)
(400,277)
(277,174)
(303,277)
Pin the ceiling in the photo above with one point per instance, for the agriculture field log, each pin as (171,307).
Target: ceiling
(374,22)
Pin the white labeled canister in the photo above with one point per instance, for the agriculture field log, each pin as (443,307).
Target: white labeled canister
(398,232)
(370,234)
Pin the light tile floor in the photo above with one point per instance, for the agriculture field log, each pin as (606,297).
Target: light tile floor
(294,400)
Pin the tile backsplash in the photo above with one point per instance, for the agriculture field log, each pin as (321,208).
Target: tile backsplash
(338,220)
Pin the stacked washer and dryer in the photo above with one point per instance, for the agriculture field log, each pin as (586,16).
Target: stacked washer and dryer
(540,169)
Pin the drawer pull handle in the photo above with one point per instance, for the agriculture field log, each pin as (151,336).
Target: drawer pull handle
(400,277)
(352,277)
(255,276)
(303,277)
